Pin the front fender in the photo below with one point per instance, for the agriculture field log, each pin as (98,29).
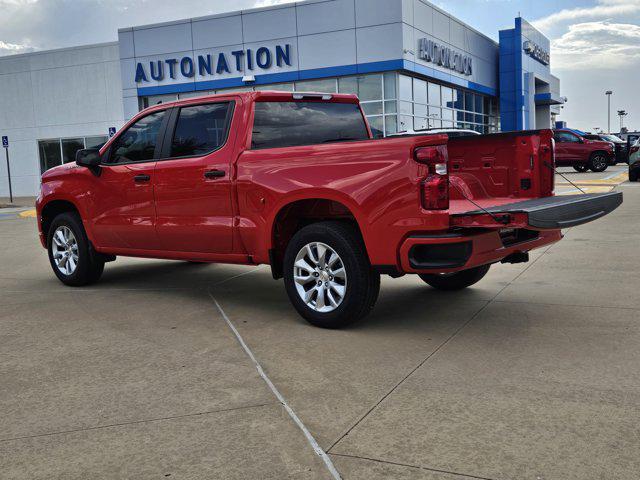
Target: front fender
(52,191)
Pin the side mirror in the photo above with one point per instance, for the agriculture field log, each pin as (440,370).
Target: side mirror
(88,157)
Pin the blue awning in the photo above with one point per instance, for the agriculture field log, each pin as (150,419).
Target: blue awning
(548,99)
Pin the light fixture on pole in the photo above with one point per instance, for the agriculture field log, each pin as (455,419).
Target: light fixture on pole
(608,94)
(622,114)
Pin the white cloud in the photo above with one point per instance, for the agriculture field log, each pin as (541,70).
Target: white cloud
(602,45)
(16,3)
(271,3)
(14,48)
(603,10)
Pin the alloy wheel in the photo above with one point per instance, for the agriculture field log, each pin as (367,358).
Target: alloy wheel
(599,161)
(320,277)
(64,248)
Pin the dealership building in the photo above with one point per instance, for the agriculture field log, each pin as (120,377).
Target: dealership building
(413,66)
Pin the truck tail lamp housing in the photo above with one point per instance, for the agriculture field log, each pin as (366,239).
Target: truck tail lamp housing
(434,157)
(434,188)
(634,149)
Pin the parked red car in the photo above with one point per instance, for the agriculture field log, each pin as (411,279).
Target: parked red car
(296,181)
(582,153)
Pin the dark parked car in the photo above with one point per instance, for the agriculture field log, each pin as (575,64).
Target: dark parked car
(622,152)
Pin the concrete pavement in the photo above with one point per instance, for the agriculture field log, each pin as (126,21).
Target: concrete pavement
(531,374)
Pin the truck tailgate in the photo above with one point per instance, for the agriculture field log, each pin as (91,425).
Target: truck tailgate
(547,213)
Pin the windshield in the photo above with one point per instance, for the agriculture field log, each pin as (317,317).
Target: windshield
(612,138)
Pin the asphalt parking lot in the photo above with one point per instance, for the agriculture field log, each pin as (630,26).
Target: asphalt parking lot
(532,374)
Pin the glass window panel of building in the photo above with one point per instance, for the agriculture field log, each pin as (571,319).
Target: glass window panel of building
(391,101)
(447,107)
(56,151)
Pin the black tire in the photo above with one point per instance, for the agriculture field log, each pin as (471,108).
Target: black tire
(598,162)
(633,176)
(457,280)
(581,168)
(90,264)
(362,286)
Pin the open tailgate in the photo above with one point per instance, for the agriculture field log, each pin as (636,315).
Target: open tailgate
(547,213)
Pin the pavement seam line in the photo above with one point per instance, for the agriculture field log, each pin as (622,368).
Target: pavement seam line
(254,270)
(438,348)
(135,422)
(310,439)
(419,467)
(393,389)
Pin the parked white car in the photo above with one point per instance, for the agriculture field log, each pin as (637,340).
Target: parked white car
(634,162)
(452,132)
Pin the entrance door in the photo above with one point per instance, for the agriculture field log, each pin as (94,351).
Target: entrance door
(123,209)
(193,185)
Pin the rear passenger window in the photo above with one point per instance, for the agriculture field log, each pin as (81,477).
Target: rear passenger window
(290,124)
(200,129)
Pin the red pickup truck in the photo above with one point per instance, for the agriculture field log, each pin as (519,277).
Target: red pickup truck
(296,181)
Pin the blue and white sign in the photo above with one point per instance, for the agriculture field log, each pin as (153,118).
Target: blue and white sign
(537,52)
(5,141)
(112,131)
(204,65)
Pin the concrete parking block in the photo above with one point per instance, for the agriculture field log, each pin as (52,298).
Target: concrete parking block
(524,391)
(259,442)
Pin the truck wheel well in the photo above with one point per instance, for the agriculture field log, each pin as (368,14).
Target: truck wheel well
(52,209)
(297,215)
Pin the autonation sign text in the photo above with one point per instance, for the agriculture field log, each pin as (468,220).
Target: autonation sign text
(433,52)
(239,61)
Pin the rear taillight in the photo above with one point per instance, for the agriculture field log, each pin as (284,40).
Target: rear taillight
(634,149)
(435,188)
(435,192)
(434,157)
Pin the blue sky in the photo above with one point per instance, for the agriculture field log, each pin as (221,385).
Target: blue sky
(595,43)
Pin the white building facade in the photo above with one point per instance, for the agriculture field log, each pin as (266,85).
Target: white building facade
(413,65)
(51,104)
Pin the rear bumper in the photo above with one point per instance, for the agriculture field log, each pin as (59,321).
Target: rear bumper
(492,234)
(460,251)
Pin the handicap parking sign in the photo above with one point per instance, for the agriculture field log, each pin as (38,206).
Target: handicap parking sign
(5,141)
(112,131)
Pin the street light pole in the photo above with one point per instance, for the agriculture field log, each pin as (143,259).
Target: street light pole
(622,114)
(608,94)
